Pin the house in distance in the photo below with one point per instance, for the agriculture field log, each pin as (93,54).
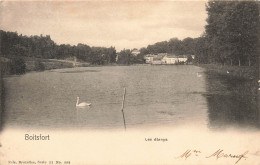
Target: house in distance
(165,59)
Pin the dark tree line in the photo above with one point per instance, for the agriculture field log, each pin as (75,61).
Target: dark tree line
(126,57)
(14,45)
(173,46)
(231,35)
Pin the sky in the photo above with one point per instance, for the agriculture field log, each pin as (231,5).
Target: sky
(129,25)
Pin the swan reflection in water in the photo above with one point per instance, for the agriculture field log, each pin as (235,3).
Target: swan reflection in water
(81,110)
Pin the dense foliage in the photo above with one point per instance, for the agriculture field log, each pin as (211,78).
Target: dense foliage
(17,66)
(231,33)
(126,57)
(173,46)
(231,38)
(14,45)
(39,66)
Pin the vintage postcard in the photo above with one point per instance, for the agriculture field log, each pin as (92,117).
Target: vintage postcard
(130,82)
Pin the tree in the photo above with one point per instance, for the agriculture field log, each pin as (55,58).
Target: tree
(39,66)
(232,31)
(17,66)
(14,45)
(175,46)
(159,47)
(189,59)
(202,49)
(188,45)
(125,57)
(144,51)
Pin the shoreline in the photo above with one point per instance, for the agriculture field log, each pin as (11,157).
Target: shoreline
(244,78)
(242,72)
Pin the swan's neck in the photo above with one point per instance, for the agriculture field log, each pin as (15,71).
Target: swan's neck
(77,103)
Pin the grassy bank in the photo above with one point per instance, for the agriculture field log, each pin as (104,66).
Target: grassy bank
(232,95)
(47,64)
(38,64)
(242,72)
(232,79)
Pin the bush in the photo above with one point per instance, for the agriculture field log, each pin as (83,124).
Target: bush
(39,66)
(17,66)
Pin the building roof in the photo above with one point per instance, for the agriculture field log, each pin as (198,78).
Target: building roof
(182,56)
(149,55)
(175,56)
(171,56)
(158,57)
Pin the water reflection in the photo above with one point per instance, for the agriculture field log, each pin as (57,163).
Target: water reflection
(232,102)
(80,113)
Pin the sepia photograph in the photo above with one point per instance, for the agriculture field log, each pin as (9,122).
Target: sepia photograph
(129,82)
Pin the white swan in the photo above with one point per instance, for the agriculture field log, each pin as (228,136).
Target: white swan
(83,104)
(199,75)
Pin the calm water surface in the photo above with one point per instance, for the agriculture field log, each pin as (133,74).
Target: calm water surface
(156,96)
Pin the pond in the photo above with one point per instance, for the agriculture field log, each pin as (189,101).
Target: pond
(156,96)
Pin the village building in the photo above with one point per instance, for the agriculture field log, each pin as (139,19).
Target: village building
(149,58)
(157,59)
(164,58)
(182,58)
(162,54)
(170,59)
(154,59)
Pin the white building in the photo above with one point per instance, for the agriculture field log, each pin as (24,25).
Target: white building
(170,59)
(183,59)
(149,58)
(164,58)
(173,59)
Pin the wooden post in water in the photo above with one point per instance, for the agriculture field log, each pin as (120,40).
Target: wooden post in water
(123,107)
(75,61)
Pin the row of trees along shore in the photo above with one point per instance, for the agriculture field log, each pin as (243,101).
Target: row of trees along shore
(231,34)
(231,37)
(14,45)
